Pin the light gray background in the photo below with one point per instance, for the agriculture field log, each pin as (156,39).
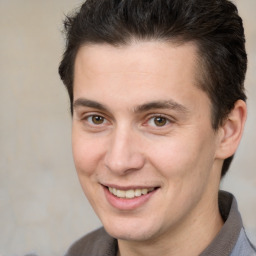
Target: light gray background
(42,207)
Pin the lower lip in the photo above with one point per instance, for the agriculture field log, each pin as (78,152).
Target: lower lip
(127,204)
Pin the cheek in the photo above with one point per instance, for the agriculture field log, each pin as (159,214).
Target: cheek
(87,153)
(183,156)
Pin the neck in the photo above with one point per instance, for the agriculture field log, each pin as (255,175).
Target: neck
(190,237)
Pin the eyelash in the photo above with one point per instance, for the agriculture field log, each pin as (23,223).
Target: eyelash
(89,118)
(152,118)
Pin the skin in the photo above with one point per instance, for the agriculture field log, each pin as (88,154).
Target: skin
(119,92)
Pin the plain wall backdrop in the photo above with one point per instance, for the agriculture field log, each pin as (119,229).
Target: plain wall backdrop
(42,207)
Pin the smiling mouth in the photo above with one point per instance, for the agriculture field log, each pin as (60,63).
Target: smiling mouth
(131,193)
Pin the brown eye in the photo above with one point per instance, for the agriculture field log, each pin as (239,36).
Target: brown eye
(96,120)
(160,121)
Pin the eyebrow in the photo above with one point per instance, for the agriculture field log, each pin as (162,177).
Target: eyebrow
(161,104)
(165,104)
(82,102)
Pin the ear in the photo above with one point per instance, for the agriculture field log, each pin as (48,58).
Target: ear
(231,131)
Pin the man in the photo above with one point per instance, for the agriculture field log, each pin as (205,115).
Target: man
(157,98)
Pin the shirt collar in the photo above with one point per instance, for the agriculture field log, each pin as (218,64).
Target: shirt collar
(226,239)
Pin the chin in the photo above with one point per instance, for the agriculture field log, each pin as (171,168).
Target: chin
(128,235)
(131,230)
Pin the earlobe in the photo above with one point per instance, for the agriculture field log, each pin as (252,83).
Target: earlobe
(232,130)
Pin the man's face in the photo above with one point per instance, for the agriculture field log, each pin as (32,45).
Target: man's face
(142,131)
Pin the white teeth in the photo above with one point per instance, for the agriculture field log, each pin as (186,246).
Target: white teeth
(138,192)
(131,193)
(144,191)
(120,193)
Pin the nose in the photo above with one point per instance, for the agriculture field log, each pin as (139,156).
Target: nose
(124,153)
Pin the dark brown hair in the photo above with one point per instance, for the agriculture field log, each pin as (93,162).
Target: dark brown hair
(213,25)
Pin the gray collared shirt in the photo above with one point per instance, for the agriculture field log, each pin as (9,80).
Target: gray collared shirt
(230,241)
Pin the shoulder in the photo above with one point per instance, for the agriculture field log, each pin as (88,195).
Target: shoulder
(231,239)
(243,246)
(96,243)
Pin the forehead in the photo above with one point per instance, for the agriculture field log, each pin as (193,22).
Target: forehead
(141,71)
(149,57)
